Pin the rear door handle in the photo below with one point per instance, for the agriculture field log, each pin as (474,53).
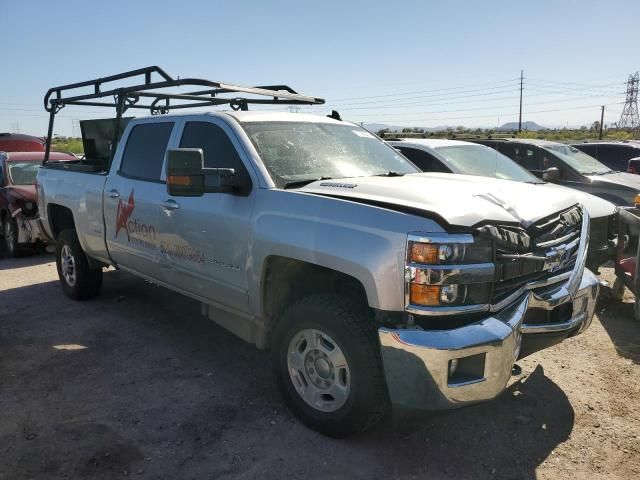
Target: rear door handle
(170,205)
(114,193)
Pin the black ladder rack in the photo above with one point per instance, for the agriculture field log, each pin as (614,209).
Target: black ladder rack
(151,92)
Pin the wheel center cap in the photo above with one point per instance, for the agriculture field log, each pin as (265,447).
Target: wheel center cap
(322,367)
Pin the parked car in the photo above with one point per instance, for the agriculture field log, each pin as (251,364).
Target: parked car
(466,158)
(19,217)
(633,166)
(369,280)
(17,142)
(566,165)
(615,155)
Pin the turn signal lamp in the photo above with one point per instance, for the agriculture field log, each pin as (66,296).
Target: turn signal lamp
(636,200)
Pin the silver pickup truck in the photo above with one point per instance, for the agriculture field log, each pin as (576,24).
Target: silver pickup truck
(371,283)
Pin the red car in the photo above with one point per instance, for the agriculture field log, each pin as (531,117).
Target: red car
(18,202)
(17,142)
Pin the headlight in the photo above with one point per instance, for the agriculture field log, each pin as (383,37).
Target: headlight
(448,271)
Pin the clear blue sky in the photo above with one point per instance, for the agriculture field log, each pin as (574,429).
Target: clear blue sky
(414,63)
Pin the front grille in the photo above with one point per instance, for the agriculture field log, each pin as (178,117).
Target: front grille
(545,249)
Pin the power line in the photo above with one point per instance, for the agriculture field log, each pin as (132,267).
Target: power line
(430,91)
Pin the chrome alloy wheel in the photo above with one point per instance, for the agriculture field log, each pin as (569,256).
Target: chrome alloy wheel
(68,264)
(318,370)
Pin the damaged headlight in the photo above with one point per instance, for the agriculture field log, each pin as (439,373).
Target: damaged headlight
(448,271)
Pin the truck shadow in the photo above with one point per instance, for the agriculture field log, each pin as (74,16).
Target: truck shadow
(505,438)
(617,319)
(30,258)
(172,395)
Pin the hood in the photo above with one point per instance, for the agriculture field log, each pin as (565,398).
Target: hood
(461,200)
(596,206)
(21,192)
(630,180)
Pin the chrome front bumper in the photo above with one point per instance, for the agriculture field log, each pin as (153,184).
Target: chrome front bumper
(445,369)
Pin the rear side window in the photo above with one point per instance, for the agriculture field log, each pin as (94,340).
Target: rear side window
(144,153)
(423,160)
(216,146)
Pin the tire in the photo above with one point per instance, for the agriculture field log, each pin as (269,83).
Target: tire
(342,376)
(617,290)
(78,280)
(10,232)
(636,310)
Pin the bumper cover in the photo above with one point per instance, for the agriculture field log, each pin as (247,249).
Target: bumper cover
(445,369)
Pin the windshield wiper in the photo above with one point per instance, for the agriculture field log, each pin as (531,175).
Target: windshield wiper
(303,182)
(389,174)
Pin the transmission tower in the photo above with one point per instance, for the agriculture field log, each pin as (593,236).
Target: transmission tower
(629,116)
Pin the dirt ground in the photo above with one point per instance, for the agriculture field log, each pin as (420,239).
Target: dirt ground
(136,384)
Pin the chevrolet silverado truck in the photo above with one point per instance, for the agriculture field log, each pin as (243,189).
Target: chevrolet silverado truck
(371,282)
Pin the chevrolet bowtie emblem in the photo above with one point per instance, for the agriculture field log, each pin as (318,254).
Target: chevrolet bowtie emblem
(555,258)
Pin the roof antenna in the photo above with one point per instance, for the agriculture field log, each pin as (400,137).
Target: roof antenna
(335,115)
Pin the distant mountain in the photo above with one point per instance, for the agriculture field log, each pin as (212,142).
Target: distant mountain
(513,126)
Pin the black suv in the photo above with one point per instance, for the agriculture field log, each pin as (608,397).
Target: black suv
(615,155)
(566,165)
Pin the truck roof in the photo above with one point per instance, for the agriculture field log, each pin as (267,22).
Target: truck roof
(431,142)
(273,116)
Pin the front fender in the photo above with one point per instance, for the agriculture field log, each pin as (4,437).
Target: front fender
(365,242)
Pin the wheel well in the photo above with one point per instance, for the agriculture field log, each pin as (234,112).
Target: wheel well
(60,218)
(3,215)
(286,280)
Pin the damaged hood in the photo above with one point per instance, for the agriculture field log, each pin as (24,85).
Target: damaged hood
(461,200)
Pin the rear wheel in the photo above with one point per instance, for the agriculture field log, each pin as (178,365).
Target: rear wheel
(10,230)
(327,362)
(79,280)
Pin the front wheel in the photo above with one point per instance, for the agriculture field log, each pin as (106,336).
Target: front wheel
(79,280)
(11,237)
(327,362)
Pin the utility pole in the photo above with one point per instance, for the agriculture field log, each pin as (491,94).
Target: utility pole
(520,118)
(601,121)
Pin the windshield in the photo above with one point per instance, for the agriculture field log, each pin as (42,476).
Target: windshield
(23,173)
(577,159)
(300,151)
(486,162)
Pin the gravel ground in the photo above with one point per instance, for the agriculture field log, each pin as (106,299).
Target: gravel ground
(136,384)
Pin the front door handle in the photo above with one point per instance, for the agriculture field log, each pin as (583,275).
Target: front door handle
(114,193)
(170,205)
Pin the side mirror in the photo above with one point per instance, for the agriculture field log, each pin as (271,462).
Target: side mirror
(187,177)
(551,174)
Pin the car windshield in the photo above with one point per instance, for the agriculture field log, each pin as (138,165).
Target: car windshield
(23,173)
(486,162)
(298,152)
(577,159)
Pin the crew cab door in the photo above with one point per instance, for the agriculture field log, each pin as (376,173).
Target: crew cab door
(205,240)
(132,196)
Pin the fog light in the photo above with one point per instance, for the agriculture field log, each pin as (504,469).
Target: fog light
(453,366)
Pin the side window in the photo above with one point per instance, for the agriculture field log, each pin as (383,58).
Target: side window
(424,160)
(144,153)
(1,174)
(216,146)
